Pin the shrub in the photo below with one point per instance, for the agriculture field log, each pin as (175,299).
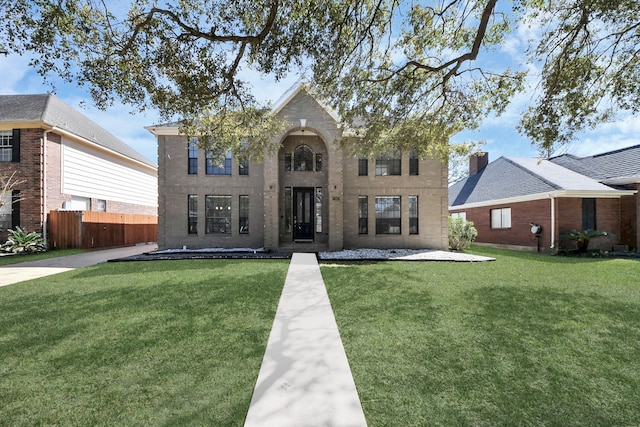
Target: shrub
(461,233)
(582,237)
(21,241)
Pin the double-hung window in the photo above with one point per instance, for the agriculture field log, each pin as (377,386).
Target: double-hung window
(218,214)
(218,166)
(413,214)
(243,214)
(388,218)
(192,206)
(6,145)
(363,166)
(363,214)
(414,162)
(389,164)
(193,157)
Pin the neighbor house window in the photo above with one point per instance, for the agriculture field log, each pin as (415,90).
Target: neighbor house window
(218,166)
(303,159)
(243,210)
(462,215)
(218,214)
(193,156)
(319,210)
(243,167)
(101,205)
(363,215)
(413,163)
(413,214)
(363,166)
(388,215)
(501,218)
(192,203)
(588,214)
(7,148)
(389,164)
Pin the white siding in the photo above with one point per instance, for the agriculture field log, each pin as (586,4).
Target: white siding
(88,173)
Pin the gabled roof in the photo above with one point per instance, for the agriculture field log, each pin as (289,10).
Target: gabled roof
(296,88)
(511,178)
(51,111)
(614,167)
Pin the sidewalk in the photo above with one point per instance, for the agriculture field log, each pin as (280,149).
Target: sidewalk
(305,379)
(28,270)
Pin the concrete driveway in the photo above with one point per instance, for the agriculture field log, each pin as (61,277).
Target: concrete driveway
(28,270)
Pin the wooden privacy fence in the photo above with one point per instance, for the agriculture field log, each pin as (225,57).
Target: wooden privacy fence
(90,230)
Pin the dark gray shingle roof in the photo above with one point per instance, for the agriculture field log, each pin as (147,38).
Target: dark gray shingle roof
(606,166)
(52,111)
(519,176)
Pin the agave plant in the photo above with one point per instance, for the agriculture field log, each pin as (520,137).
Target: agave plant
(21,241)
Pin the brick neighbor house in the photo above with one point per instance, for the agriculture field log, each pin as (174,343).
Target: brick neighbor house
(64,161)
(310,196)
(508,197)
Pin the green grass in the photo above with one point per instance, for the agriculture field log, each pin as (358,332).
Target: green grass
(17,258)
(151,343)
(526,340)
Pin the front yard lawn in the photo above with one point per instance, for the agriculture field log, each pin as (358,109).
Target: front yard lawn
(138,343)
(526,340)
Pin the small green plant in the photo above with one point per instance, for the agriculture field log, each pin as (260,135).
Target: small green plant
(582,237)
(461,233)
(21,241)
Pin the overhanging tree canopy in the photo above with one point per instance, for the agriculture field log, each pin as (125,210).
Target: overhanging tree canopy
(412,72)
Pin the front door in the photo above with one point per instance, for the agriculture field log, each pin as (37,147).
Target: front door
(303,214)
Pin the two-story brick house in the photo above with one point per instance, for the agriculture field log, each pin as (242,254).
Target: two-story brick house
(64,161)
(310,196)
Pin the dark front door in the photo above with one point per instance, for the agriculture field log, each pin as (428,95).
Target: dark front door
(303,214)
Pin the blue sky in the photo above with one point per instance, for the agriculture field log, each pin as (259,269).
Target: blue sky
(500,134)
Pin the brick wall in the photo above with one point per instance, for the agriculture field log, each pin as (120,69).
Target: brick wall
(29,171)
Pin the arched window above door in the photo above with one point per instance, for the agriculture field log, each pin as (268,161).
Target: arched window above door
(303,158)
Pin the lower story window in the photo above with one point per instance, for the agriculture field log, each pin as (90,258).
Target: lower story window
(501,218)
(243,209)
(319,224)
(363,215)
(218,214)
(413,214)
(192,202)
(388,215)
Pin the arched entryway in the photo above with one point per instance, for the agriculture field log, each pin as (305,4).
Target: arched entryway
(303,188)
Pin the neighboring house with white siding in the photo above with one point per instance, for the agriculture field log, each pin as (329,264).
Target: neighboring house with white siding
(64,161)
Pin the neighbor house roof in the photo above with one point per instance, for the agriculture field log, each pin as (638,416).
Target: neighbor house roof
(48,109)
(614,167)
(523,178)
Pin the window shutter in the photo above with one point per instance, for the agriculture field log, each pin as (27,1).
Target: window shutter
(15,153)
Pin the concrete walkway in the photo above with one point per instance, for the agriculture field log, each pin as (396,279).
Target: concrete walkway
(28,270)
(305,379)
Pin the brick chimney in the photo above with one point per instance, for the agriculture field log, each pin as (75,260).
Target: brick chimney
(478,161)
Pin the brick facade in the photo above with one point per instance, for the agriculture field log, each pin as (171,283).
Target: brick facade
(337,187)
(568,216)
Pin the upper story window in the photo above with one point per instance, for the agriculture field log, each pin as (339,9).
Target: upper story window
(217,167)
(389,164)
(6,145)
(303,159)
(413,163)
(193,156)
(363,166)
(243,167)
